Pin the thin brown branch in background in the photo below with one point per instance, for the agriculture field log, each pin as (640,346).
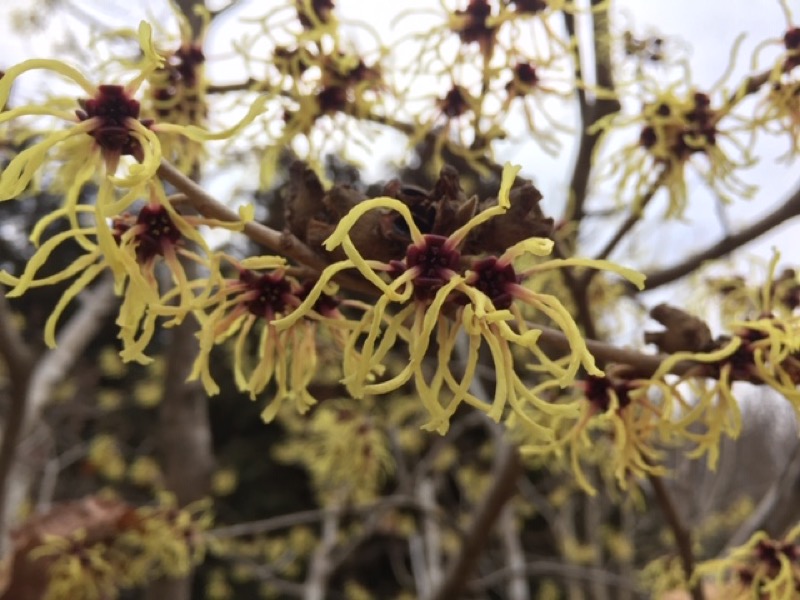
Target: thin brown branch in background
(501,490)
(19,361)
(48,372)
(208,206)
(683,538)
(590,112)
(788,210)
(630,221)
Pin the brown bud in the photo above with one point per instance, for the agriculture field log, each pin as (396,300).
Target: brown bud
(684,332)
(524,219)
(303,198)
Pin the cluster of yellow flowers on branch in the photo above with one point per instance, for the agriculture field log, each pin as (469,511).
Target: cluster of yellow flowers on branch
(434,292)
(450,273)
(456,300)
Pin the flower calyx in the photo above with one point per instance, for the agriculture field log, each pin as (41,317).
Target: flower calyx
(115,114)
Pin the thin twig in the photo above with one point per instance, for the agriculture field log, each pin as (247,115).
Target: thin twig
(517,588)
(683,537)
(501,490)
(551,567)
(788,210)
(49,371)
(282,243)
(205,204)
(590,112)
(311,516)
(321,567)
(19,362)
(633,218)
(432,534)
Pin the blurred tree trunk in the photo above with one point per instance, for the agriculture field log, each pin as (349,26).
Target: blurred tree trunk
(184,440)
(184,432)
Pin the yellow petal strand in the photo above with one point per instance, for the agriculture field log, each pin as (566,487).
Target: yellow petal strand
(147,45)
(19,172)
(198,134)
(506,181)
(21,111)
(40,257)
(308,302)
(346,224)
(40,63)
(263,262)
(73,290)
(535,246)
(77,266)
(635,277)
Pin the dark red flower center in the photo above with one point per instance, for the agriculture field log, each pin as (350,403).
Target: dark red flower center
(273,293)
(320,12)
(495,280)
(454,104)
(155,231)
(692,131)
(791,41)
(525,77)
(598,392)
(112,107)
(186,62)
(435,263)
(528,6)
(332,99)
(475,27)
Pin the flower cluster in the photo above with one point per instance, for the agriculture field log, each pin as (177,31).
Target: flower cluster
(112,229)
(488,81)
(761,568)
(344,445)
(321,88)
(617,406)
(250,305)
(440,302)
(131,245)
(778,112)
(142,545)
(675,127)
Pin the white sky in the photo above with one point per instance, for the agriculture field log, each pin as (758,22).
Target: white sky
(707,28)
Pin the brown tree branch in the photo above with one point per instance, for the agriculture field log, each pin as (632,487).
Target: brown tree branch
(501,490)
(280,242)
(72,340)
(569,572)
(18,359)
(590,112)
(788,210)
(683,537)
(630,221)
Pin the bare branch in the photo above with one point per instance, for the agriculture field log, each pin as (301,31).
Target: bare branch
(788,210)
(321,566)
(204,203)
(569,572)
(49,371)
(517,588)
(313,516)
(630,221)
(683,537)
(19,366)
(590,112)
(501,490)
